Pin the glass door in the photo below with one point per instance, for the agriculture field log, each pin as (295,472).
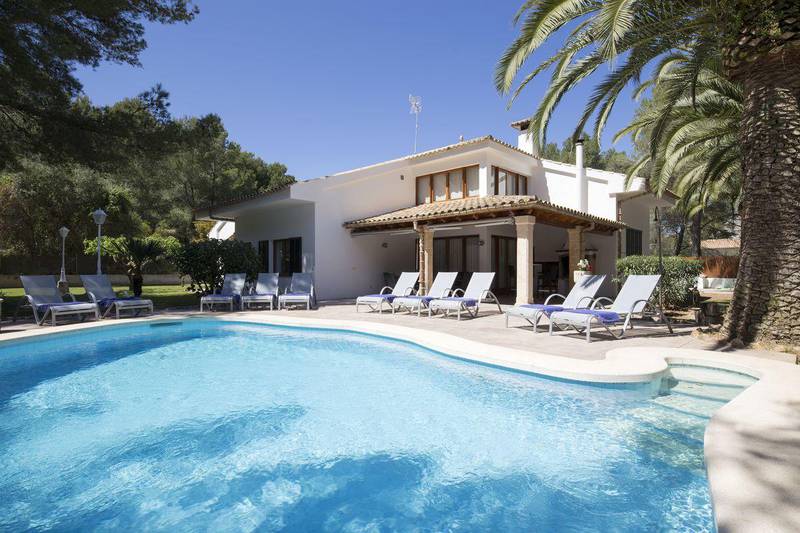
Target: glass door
(504,259)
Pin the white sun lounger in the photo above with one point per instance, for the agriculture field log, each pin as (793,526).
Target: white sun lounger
(265,292)
(633,299)
(100,291)
(440,288)
(301,291)
(403,287)
(469,300)
(231,293)
(44,298)
(581,296)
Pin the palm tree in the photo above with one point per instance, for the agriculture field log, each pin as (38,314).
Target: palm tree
(692,138)
(758,44)
(136,255)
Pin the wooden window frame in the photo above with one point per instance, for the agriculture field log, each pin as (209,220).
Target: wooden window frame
(429,177)
(516,176)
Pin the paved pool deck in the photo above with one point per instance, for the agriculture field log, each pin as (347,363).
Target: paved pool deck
(752,444)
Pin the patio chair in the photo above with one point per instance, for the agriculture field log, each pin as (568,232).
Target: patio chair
(100,291)
(45,300)
(477,292)
(265,292)
(403,287)
(441,288)
(231,293)
(633,299)
(581,296)
(301,291)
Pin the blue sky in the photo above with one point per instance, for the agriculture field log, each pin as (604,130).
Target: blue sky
(323,86)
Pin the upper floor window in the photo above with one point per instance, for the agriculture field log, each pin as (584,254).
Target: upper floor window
(509,183)
(448,185)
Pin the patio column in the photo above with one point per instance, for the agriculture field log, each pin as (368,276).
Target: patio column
(576,251)
(525,270)
(425,257)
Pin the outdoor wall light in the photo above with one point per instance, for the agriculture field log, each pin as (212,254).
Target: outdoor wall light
(385,245)
(481,242)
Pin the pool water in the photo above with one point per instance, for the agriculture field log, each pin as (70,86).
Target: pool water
(210,425)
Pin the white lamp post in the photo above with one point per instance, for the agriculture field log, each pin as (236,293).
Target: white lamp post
(63,231)
(99,218)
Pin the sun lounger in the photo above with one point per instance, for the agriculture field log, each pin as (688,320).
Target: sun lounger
(633,299)
(403,287)
(301,291)
(231,293)
(100,291)
(44,298)
(440,288)
(264,293)
(581,296)
(477,292)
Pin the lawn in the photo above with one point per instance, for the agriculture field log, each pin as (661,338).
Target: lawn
(163,296)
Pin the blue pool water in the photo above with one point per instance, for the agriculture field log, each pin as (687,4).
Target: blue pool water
(205,425)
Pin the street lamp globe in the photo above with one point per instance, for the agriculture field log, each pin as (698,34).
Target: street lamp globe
(99,217)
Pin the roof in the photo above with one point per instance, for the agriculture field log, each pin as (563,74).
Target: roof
(476,140)
(485,207)
(720,243)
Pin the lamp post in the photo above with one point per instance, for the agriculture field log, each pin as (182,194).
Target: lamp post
(660,259)
(99,217)
(62,282)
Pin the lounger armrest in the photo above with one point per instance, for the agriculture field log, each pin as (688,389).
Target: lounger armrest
(637,302)
(457,292)
(580,302)
(92,297)
(485,295)
(409,291)
(71,296)
(547,300)
(599,300)
(385,289)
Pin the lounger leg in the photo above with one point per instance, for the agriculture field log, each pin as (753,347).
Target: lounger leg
(54,317)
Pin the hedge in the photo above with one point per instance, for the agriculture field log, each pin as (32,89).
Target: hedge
(680,276)
(207,262)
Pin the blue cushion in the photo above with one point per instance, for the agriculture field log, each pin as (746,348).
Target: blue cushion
(297,294)
(606,316)
(468,302)
(546,309)
(44,307)
(108,301)
(387,297)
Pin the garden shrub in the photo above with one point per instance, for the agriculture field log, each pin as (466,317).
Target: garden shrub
(207,262)
(680,276)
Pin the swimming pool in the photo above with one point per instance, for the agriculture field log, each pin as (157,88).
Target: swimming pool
(205,424)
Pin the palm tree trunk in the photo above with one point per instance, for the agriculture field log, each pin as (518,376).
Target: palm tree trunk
(679,239)
(697,233)
(766,300)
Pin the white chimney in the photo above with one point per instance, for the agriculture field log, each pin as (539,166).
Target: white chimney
(524,139)
(580,178)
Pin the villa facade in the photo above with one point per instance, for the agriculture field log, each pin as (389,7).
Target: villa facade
(477,205)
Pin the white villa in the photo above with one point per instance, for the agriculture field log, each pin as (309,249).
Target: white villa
(477,205)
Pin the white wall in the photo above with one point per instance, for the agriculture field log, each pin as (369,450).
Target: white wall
(283,222)
(636,214)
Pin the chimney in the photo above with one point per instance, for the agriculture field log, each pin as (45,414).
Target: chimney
(582,183)
(524,139)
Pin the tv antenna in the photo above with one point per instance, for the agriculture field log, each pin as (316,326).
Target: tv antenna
(416,109)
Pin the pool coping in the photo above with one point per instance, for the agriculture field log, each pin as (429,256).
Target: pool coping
(751,444)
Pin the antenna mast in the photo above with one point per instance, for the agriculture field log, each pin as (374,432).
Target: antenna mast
(416,109)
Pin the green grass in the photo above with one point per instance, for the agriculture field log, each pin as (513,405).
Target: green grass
(163,296)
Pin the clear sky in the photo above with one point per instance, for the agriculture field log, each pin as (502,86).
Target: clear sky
(323,86)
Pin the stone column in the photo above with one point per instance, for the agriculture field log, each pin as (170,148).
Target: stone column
(576,252)
(525,272)
(425,258)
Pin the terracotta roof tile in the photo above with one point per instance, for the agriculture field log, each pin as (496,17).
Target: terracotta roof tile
(475,205)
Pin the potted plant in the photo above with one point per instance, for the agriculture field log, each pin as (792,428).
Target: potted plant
(584,268)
